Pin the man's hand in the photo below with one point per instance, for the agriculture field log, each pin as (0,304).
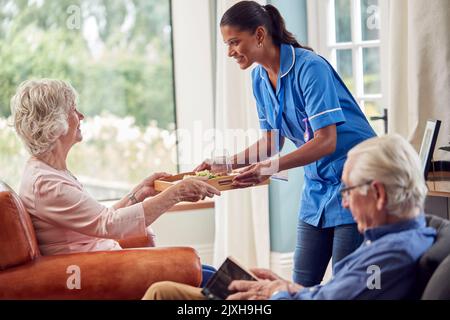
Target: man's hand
(265,274)
(256,290)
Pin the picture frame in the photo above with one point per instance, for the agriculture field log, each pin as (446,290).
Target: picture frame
(428,145)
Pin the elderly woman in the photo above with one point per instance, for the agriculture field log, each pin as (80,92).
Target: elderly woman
(66,218)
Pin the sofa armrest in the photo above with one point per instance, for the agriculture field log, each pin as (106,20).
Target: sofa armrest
(137,242)
(122,274)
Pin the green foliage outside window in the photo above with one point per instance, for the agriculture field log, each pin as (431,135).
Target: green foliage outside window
(118,58)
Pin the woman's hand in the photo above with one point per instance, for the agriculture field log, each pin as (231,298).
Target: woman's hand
(254,174)
(205,165)
(210,165)
(147,187)
(193,190)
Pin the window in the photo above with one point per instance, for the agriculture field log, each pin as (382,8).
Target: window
(118,56)
(349,34)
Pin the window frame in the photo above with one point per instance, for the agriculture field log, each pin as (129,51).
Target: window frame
(321,35)
(193,18)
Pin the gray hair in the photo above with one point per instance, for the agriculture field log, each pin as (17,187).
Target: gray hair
(40,111)
(392,161)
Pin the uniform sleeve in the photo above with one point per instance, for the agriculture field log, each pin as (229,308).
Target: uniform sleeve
(263,123)
(321,99)
(64,204)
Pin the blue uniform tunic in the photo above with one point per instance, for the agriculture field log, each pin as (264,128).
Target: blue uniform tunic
(312,96)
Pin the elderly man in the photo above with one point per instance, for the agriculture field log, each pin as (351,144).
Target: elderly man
(383,186)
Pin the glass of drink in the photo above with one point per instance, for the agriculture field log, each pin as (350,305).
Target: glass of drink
(220,161)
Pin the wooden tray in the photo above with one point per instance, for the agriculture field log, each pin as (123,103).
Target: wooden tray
(221,183)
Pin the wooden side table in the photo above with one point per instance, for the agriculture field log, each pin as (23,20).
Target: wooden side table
(438,197)
(439,184)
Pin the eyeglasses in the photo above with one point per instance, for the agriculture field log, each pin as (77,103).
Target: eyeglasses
(345,191)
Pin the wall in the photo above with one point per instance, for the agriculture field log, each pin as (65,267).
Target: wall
(284,200)
(285,196)
(193,228)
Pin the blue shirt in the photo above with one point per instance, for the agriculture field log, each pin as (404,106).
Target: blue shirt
(395,249)
(314,97)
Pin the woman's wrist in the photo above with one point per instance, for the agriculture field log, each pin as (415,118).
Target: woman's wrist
(271,167)
(233,161)
(132,198)
(159,204)
(172,195)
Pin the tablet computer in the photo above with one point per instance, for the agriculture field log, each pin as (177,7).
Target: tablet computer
(217,286)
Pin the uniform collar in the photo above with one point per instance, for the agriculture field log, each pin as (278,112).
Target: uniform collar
(287,61)
(378,232)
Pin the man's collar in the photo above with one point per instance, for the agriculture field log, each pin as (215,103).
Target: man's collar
(378,232)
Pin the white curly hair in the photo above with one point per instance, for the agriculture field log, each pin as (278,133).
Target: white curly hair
(392,161)
(40,111)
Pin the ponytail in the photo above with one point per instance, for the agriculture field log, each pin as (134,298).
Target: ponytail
(278,29)
(249,15)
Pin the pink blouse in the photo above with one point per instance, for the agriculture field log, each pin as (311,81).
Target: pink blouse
(67,219)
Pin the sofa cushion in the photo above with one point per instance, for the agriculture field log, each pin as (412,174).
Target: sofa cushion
(441,247)
(17,238)
(438,288)
(434,256)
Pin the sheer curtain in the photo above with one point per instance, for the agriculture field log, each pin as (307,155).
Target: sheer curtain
(419,68)
(242,216)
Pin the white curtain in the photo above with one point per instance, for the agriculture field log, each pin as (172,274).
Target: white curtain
(419,79)
(242,216)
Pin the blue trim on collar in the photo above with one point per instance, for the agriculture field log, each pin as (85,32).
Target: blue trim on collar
(378,232)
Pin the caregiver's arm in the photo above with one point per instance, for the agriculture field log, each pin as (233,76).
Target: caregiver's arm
(323,144)
(261,150)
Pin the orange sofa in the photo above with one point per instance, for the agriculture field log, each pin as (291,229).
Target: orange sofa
(124,274)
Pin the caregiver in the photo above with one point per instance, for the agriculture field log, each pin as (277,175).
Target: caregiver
(300,97)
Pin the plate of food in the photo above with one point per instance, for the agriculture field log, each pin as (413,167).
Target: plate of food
(221,181)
